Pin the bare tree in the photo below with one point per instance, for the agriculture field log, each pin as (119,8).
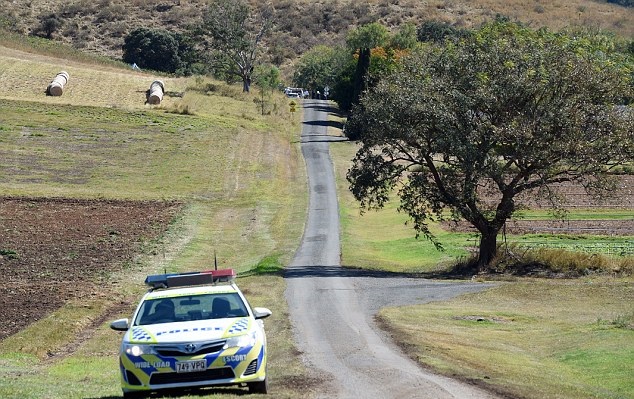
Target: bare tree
(234,32)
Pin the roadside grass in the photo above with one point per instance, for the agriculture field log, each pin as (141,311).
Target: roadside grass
(550,258)
(525,338)
(529,338)
(239,174)
(380,240)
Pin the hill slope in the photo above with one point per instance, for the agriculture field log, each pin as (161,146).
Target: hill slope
(25,76)
(100,26)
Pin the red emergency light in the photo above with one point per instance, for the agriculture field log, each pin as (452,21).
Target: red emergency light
(207,277)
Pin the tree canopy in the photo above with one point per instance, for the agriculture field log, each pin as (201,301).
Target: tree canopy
(506,110)
(152,49)
(367,36)
(234,33)
(371,52)
(319,67)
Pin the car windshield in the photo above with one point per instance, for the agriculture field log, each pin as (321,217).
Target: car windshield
(191,307)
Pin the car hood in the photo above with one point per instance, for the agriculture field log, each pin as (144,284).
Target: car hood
(188,331)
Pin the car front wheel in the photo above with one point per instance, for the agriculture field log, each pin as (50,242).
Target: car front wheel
(134,395)
(261,387)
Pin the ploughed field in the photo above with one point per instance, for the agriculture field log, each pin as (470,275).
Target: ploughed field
(55,250)
(574,198)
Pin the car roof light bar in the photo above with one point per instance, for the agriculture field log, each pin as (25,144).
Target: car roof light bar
(171,280)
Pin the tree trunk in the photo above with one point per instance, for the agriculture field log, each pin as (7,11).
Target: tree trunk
(361,74)
(488,248)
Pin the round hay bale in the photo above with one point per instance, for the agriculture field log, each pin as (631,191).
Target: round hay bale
(56,87)
(156,92)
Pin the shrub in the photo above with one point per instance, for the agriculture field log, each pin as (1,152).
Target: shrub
(548,262)
(624,3)
(436,31)
(152,49)
(49,24)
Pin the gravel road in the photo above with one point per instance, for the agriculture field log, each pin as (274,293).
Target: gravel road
(332,308)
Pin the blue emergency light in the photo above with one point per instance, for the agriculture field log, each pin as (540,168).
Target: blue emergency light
(171,280)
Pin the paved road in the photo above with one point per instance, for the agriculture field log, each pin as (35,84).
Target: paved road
(332,308)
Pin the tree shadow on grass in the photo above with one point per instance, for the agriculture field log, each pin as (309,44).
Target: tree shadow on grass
(456,273)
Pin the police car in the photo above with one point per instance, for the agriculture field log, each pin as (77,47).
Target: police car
(192,330)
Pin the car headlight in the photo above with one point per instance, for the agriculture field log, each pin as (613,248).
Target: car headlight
(241,340)
(137,350)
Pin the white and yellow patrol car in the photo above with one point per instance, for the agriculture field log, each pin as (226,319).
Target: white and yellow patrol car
(192,330)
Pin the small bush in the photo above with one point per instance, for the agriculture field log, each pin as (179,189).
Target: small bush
(8,254)
(557,262)
(49,24)
(547,262)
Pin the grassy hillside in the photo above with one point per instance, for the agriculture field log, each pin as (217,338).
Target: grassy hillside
(238,174)
(28,67)
(100,26)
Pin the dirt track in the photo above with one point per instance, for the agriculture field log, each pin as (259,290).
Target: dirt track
(53,250)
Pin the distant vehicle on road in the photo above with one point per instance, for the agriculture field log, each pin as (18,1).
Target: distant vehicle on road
(295,92)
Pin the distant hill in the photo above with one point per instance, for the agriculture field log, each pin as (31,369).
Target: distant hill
(99,26)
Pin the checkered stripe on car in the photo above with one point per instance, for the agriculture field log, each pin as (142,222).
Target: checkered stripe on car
(239,326)
(140,334)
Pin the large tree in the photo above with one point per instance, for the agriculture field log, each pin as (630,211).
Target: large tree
(319,67)
(234,32)
(504,110)
(362,40)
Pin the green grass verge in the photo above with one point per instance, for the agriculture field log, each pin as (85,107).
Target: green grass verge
(529,339)
(380,239)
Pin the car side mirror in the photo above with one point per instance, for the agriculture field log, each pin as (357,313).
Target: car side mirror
(261,313)
(120,325)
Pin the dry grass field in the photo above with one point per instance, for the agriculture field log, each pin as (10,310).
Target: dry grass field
(92,184)
(25,76)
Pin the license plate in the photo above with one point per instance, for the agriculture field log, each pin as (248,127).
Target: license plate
(191,365)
